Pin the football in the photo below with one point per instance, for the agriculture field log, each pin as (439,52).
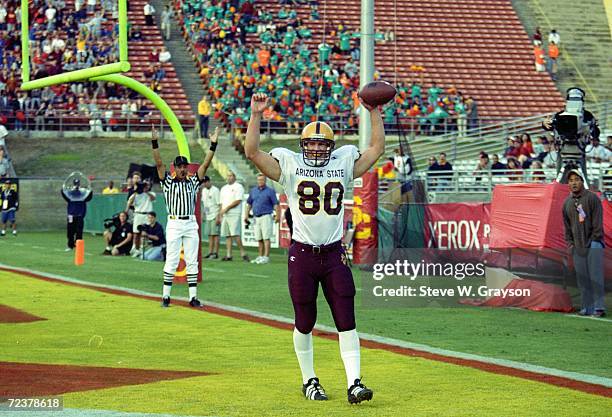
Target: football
(377,93)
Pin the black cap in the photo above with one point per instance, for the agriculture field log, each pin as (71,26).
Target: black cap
(206,178)
(180,160)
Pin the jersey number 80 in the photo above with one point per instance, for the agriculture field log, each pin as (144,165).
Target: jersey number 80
(310,191)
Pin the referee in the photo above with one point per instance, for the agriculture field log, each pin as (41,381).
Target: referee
(181,193)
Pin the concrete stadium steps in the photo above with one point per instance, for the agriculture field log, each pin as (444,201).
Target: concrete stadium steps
(480,47)
(585,41)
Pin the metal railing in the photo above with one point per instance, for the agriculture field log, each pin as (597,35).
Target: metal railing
(501,129)
(61,122)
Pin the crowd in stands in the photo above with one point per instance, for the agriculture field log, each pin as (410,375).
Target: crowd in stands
(302,82)
(520,155)
(64,39)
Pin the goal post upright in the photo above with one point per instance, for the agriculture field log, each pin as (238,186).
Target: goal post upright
(108,72)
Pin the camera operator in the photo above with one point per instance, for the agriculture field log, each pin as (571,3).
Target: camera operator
(153,233)
(142,200)
(573,128)
(119,241)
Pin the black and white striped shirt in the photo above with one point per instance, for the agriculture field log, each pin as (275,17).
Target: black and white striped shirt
(180,195)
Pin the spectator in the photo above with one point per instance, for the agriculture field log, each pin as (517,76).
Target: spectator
(549,157)
(142,203)
(164,55)
(230,215)
(119,241)
(5,163)
(583,221)
(149,13)
(204,110)
(471,107)
(537,37)
(554,37)
(553,54)
(77,200)
(264,202)
(152,233)
(461,114)
(483,163)
(110,188)
(515,172)
(444,172)
(537,175)
(497,166)
(212,206)
(538,54)
(166,21)
(402,164)
(597,152)
(9,201)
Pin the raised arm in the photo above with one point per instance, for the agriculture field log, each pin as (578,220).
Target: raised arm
(161,168)
(209,155)
(262,160)
(377,143)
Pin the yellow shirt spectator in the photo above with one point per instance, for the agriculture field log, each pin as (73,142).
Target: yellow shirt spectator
(110,189)
(204,107)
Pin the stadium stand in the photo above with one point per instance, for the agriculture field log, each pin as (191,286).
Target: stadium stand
(479,47)
(71,35)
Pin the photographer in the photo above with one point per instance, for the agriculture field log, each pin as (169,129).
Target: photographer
(119,241)
(153,232)
(142,201)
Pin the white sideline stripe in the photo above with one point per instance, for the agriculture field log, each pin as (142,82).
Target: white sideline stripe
(256,275)
(77,412)
(577,376)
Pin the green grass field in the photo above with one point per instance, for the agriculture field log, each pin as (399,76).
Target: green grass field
(100,157)
(548,339)
(252,366)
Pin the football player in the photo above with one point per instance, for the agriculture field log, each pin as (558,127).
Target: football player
(315,180)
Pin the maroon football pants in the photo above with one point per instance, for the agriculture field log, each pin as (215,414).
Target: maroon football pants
(309,266)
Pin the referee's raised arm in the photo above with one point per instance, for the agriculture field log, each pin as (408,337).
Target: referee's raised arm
(209,155)
(161,168)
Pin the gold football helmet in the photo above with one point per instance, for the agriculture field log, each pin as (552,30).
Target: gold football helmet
(319,133)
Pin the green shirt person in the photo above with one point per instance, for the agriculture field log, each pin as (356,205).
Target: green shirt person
(345,41)
(433,93)
(289,37)
(324,51)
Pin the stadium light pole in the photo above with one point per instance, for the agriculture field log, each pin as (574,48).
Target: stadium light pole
(366,66)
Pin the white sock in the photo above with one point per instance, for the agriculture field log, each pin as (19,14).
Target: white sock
(166,291)
(349,351)
(167,284)
(193,292)
(302,343)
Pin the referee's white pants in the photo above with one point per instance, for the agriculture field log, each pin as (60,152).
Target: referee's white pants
(182,232)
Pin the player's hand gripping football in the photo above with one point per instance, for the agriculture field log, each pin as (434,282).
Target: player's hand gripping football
(259,102)
(367,106)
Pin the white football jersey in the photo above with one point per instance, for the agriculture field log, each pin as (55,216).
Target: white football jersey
(315,193)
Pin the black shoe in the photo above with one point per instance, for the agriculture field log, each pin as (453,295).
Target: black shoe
(312,390)
(359,392)
(209,256)
(246,258)
(106,253)
(599,313)
(165,302)
(214,256)
(227,258)
(194,302)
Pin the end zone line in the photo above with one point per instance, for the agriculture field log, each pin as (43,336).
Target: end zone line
(591,384)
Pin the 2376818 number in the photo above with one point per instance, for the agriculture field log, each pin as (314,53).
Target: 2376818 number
(310,191)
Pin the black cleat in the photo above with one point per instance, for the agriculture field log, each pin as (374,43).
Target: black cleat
(359,392)
(194,302)
(312,390)
(165,302)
